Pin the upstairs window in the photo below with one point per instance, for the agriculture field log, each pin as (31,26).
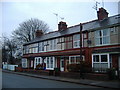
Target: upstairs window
(52,44)
(102,37)
(35,48)
(24,49)
(76,41)
(24,62)
(68,42)
(41,46)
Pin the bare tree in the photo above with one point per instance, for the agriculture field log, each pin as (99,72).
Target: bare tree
(26,30)
(8,49)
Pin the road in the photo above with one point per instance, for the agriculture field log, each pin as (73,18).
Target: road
(18,81)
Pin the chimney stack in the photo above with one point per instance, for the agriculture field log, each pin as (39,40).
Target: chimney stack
(102,14)
(39,33)
(62,26)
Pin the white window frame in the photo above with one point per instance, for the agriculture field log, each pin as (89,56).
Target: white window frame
(37,60)
(35,48)
(55,44)
(108,58)
(77,44)
(27,49)
(76,41)
(41,47)
(75,59)
(60,43)
(49,64)
(102,37)
(45,46)
(24,62)
(114,29)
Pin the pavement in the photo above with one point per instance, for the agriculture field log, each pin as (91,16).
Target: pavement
(0,79)
(112,84)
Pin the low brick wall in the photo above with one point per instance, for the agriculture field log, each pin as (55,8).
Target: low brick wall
(70,75)
(91,76)
(39,72)
(18,69)
(74,75)
(97,76)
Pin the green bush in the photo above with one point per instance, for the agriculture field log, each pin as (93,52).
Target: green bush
(83,67)
(73,67)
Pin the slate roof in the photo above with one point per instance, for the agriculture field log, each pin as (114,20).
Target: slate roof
(87,26)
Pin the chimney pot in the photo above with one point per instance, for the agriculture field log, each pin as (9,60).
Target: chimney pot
(62,26)
(39,33)
(102,14)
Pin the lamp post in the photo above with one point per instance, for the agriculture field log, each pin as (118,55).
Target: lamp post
(81,58)
(81,42)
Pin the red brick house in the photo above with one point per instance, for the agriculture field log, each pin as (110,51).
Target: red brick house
(100,45)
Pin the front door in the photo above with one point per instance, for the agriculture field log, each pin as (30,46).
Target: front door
(62,65)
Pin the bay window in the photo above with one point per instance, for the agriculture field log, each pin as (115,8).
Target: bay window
(38,60)
(50,63)
(100,62)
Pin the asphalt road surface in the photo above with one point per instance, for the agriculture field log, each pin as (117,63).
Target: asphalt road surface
(18,81)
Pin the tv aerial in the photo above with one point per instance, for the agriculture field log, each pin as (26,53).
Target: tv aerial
(96,5)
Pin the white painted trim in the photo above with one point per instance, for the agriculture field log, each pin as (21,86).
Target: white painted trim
(69,60)
(75,58)
(119,62)
(61,68)
(92,60)
(36,61)
(48,68)
(24,62)
(108,59)
(108,56)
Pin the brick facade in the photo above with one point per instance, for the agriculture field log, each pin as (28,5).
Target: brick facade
(60,48)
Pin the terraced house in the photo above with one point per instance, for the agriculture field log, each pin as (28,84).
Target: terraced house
(100,45)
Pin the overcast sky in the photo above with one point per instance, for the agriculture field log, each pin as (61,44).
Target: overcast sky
(13,13)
